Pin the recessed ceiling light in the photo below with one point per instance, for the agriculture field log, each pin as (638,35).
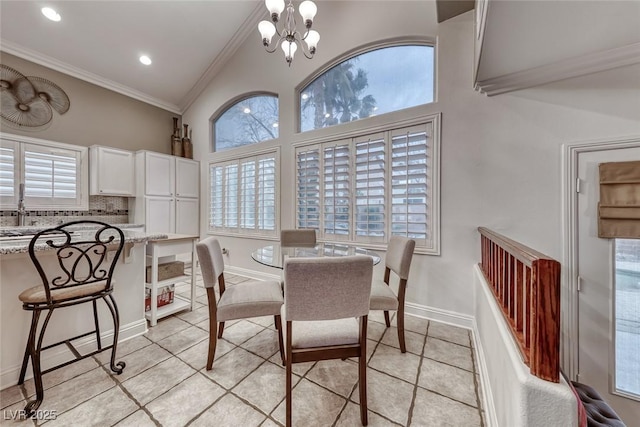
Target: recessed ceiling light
(305,96)
(51,14)
(275,125)
(145,60)
(246,110)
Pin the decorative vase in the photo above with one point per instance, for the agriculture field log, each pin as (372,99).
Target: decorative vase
(176,142)
(187,146)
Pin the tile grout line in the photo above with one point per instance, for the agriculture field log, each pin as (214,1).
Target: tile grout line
(415,386)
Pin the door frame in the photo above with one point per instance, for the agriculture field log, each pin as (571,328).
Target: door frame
(569,278)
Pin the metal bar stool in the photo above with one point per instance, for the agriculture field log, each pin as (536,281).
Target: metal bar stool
(80,271)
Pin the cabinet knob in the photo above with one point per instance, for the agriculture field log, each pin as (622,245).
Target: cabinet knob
(102,191)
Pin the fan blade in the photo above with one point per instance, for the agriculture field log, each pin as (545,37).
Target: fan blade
(8,76)
(52,93)
(34,114)
(24,90)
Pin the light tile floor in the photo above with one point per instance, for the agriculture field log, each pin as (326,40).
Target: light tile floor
(165,382)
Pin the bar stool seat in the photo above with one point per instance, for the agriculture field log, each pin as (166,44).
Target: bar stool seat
(76,267)
(37,294)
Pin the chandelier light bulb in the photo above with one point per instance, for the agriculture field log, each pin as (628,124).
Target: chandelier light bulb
(289,49)
(313,37)
(267,30)
(308,10)
(275,8)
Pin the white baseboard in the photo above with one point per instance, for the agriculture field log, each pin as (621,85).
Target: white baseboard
(488,404)
(10,376)
(257,275)
(444,316)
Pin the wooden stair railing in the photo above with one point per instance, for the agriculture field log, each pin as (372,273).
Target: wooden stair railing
(526,285)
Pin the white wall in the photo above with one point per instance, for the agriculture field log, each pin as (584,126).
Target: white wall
(500,156)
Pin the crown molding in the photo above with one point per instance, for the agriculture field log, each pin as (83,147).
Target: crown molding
(54,64)
(239,37)
(572,67)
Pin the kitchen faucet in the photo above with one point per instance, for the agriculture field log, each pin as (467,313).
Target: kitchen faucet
(21,210)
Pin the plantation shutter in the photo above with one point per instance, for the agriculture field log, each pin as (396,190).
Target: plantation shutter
(337,197)
(267,193)
(370,187)
(9,173)
(231,196)
(308,188)
(51,176)
(216,208)
(619,206)
(409,179)
(248,194)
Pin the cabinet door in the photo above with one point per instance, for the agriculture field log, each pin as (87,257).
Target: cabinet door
(112,172)
(160,214)
(159,174)
(187,178)
(188,216)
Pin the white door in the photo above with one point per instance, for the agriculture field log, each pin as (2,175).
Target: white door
(187,216)
(160,215)
(609,297)
(113,172)
(187,178)
(160,173)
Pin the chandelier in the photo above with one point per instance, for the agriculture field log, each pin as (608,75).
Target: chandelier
(289,38)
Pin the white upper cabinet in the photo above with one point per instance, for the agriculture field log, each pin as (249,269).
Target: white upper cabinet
(160,174)
(187,178)
(112,172)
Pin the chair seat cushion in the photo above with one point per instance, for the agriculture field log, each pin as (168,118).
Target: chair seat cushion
(37,294)
(250,299)
(382,297)
(322,333)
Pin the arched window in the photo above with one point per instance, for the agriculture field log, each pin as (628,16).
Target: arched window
(250,120)
(375,82)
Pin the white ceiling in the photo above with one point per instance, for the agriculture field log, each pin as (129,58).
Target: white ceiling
(100,41)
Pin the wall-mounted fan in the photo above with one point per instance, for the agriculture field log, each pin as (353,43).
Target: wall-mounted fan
(27,101)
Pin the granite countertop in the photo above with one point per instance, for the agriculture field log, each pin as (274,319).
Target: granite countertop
(21,245)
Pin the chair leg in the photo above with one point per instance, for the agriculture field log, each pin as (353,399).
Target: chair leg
(97,323)
(288,397)
(387,320)
(213,325)
(400,321)
(34,351)
(362,371)
(220,329)
(275,321)
(35,316)
(113,308)
(280,343)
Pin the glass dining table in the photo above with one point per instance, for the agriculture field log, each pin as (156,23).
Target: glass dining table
(274,255)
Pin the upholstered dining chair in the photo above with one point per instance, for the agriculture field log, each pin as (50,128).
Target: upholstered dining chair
(326,304)
(76,266)
(398,260)
(241,301)
(298,237)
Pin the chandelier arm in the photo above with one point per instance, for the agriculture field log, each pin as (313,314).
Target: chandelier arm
(275,45)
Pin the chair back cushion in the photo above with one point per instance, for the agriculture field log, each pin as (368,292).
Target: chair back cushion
(327,288)
(211,262)
(303,237)
(399,254)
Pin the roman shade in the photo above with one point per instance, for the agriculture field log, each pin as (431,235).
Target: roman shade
(619,206)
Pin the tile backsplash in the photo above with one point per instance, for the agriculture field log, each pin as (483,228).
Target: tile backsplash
(113,210)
